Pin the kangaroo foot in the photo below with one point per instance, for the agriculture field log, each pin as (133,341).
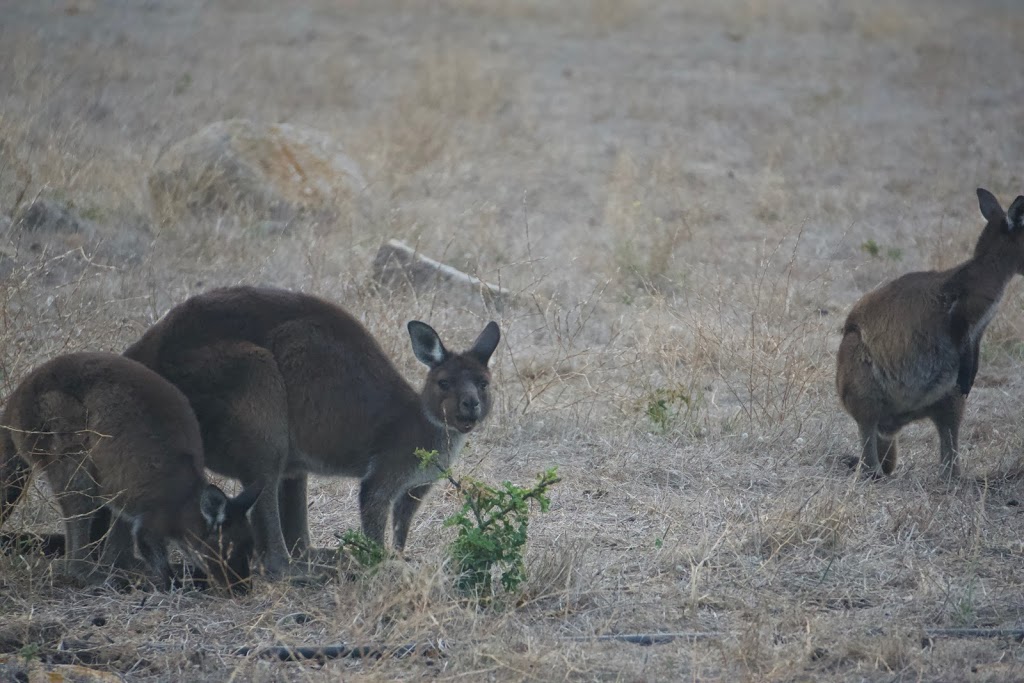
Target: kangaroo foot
(852,462)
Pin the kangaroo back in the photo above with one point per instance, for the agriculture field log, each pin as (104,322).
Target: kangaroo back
(112,434)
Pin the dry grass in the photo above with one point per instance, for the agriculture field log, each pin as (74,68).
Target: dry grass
(685,192)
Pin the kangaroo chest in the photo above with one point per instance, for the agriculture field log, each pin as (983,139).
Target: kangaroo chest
(978,328)
(447,450)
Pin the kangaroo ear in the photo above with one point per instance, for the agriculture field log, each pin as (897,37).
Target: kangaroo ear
(1015,214)
(990,208)
(243,502)
(214,506)
(485,344)
(426,344)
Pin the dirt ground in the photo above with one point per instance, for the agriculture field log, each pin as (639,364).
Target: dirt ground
(687,195)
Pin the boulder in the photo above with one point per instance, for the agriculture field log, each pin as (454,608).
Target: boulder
(49,227)
(48,215)
(273,170)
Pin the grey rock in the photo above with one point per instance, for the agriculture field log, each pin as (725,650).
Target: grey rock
(47,215)
(275,171)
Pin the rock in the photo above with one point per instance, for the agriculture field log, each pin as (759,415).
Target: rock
(397,265)
(69,673)
(47,215)
(50,228)
(273,170)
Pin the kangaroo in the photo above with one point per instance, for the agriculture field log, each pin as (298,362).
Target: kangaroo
(910,347)
(285,384)
(114,438)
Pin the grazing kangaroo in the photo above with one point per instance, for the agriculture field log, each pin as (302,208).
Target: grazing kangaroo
(910,347)
(286,384)
(114,438)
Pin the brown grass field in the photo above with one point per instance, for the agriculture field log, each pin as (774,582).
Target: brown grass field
(688,195)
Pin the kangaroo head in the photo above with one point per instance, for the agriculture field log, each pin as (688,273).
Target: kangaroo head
(228,544)
(1003,236)
(455,393)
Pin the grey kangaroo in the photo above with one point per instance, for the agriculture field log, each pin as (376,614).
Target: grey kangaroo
(910,347)
(119,443)
(286,384)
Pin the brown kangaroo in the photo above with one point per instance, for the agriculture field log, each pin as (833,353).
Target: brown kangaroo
(286,384)
(910,347)
(114,438)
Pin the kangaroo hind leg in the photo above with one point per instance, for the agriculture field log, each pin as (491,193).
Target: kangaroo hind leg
(245,430)
(869,439)
(887,450)
(74,485)
(946,416)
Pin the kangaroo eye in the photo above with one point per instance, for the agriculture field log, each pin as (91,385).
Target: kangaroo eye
(444,384)
(482,384)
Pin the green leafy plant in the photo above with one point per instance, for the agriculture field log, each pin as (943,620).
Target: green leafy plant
(871,248)
(29,652)
(363,549)
(492,525)
(874,250)
(428,459)
(666,407)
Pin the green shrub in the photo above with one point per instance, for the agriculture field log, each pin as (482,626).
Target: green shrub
(667,407)
(492,526)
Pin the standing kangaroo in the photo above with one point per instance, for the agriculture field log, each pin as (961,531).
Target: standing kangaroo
(114,439)
(285,384)
(910,347)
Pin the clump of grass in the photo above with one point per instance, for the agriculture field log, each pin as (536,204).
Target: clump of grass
(651,222)
(820,523)
(452,89)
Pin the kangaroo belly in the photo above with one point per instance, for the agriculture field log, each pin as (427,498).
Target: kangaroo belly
(919,380)
(343,464)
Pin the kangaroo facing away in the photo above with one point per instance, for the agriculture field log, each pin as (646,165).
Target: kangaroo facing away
(286,384)
(910,347)
(114,439)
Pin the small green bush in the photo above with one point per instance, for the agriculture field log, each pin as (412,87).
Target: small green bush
(667,407)
(874,250)
(363,549)
(492,526)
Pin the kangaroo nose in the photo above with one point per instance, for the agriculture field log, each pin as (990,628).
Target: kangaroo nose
(471,405)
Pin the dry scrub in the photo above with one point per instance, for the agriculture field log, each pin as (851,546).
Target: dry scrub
(688,196)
